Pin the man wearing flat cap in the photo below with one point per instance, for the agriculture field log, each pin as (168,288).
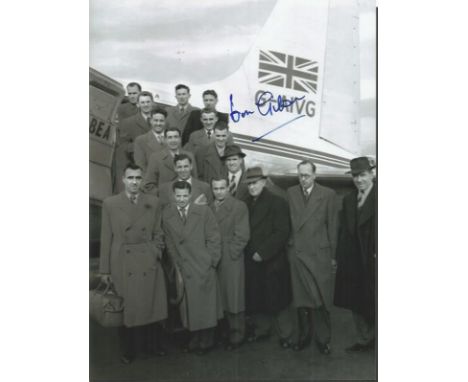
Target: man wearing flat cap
(356,254)
(234,161)
(267,281)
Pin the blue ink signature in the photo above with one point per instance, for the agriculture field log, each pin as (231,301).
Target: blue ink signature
(265,98)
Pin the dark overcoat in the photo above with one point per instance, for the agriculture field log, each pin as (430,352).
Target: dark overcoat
(209,163)
(233,221)
(312,245)
(131,242)
(356,255)
(126,110)
(144,146)
(195,248)
(267,286)
(177,119)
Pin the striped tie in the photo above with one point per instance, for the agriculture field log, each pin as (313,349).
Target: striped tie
(232,185)
(360,199)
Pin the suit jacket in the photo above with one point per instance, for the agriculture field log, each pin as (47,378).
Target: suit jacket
(209,163)
(356,255)
(126,110)
(166,195)
(131,242)
(199,139)
(194,124)
(267,282)
(233,221)
(144,146)
(177,119)
(161,170)
(312,245)
(242,192)
(195,248)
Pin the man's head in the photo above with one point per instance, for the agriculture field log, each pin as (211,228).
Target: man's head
(132,178)
(208,118)
(255,180)
(182,192)
(306,173)
(210,99)
(220,189)
(158,119)
(233,158)
(182,94)
(172,138)
(361,170)
(145,101)
(183,166)
(221,134)
(133,89)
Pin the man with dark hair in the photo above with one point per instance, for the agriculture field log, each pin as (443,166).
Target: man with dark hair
(205,136)
(194,245)
(131,250)
(208,158)
(312,246)
(178,115)
(194,123)
(153,140)
(129,129)
(357,252)
(161,164)
(234,161)
(267,281)
(129,107)
(233,221)
(201,193)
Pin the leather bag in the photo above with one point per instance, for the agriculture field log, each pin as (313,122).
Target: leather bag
(105,306)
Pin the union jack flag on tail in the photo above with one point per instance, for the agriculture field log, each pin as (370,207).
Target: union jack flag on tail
(287,71)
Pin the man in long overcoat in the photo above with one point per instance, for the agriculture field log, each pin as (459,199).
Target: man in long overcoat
(131,248)
(267,284)
(194,245)
(233,221)
(356,254)
(312,247)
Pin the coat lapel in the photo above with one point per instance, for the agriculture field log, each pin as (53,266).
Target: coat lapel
(141,122)
(225,209)
(313,202)
(152,142)
(368,208)
(259,209)
(193,219)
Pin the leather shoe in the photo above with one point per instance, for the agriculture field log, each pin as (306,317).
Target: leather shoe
(257,338)
(126,359)
(284,343)
(203,351)
(356,348)
(324,348)
(301,344)
(233,346)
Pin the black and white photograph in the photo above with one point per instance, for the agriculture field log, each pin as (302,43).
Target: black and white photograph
(233,190)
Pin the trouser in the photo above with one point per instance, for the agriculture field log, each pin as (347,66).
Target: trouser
(263,324)
(236,323)
(147,338)
(313,322)
(365,329)
(201,339)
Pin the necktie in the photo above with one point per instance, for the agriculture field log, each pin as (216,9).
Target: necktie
(208,132)
(133,199)
(183,214)
(181,110)
(232,185)
(306,193)
(360,199)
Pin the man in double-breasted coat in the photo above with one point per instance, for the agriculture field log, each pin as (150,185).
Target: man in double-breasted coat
(194,245)
(356,254)
(131,247)
(233,221)
(161,165)
(267,284)
(312,246)
(152,141)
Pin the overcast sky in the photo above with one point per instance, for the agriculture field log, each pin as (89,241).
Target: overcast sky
(172,40)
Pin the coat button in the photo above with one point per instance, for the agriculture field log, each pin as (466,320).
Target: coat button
(181,242)
(143,229)
(129,273)
(128,251)
(144,273)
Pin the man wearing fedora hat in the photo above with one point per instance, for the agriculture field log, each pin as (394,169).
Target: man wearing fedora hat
(356,254)
(267,281)
(234,160)
(312,256)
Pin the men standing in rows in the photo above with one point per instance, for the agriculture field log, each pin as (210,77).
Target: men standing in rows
(208,158)
(153,140)
(177,116)
(129,108)
(194,245)
(129,129)
(356,254)
(201,192)
(234,162)
(161,164)
(233,221)
(267,281)
(313,210)
(194,123)
(131,248)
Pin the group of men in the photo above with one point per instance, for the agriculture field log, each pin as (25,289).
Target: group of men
(242,259)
